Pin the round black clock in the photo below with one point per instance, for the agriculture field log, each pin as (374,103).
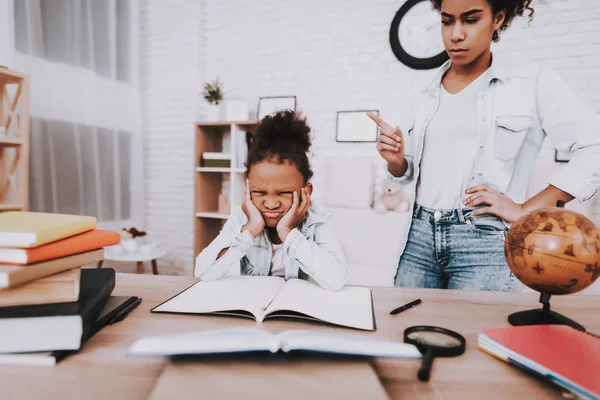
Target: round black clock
(415,36)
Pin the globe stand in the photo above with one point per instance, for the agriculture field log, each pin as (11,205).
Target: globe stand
(542,317)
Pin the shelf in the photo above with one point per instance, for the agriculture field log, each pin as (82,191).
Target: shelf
(213,215)
(9,76)
(211,179)
(11,207)
(10,142)
(216,169)
(219,124)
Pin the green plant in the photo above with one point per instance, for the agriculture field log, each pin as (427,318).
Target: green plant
(212,92)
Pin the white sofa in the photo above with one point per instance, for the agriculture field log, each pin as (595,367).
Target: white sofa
(371,243)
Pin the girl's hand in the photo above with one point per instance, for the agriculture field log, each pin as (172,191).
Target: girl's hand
(497,203)
(256,222)
(295,215)
(390,146)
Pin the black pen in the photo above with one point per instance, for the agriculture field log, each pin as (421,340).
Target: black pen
(123,313)
(405,307)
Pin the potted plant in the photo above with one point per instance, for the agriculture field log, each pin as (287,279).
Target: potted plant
(213,95)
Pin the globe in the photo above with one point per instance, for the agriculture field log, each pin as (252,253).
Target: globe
(554,251)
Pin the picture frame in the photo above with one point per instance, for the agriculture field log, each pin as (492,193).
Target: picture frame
(271,104)
(354,126)
(561,156)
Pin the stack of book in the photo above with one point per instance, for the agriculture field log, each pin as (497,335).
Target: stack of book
(47,302)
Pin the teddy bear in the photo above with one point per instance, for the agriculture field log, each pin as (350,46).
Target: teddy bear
(391,198)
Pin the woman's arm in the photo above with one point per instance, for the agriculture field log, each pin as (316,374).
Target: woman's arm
(549,197)
(573,128)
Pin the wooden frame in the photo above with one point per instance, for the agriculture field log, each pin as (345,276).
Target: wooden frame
(283,100)
(341,128)
(209,182)
(14,141)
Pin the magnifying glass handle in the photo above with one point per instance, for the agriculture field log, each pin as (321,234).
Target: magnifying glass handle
(426,364)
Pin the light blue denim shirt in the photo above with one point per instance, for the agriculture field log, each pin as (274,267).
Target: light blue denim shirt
(311,250)
(520,106)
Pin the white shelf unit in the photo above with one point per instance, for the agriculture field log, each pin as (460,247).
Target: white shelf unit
(214,215)
(209,181)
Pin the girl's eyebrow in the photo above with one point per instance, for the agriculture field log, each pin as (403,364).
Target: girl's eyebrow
(464,15)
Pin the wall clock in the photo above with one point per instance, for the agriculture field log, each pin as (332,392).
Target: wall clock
(415,35)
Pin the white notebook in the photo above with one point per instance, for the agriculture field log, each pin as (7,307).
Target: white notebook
(265,297)
(243,340)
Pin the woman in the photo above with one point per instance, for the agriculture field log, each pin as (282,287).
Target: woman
(470,148)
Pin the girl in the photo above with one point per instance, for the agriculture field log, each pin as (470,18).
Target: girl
(474,136)
(276,231)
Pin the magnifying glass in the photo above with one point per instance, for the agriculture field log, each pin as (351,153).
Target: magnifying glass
(433,341)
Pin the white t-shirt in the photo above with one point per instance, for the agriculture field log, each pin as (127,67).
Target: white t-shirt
(277,266)
(450,148)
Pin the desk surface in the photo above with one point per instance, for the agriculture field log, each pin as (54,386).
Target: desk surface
(102,370)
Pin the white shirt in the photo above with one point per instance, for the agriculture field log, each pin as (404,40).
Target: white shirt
(450,148)
(277,265)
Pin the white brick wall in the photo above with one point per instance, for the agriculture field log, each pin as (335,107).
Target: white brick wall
(332,55)
(171,42)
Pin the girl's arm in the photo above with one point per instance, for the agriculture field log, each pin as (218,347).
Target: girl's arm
(225,251)
(322,258)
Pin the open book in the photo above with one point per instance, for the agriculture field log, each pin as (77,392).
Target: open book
(243,340)
(264,297)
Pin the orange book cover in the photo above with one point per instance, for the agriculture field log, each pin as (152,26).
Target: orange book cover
(87,241)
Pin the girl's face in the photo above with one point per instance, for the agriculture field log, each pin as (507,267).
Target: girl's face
(272,187)
(467,28)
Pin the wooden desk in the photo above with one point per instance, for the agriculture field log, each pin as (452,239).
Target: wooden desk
(102,370)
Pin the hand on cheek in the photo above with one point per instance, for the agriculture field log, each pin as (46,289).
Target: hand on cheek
(256,222)
(296,214)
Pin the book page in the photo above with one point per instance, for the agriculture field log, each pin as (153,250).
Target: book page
(231,340)
(351,307)
(232,293)
(344,343)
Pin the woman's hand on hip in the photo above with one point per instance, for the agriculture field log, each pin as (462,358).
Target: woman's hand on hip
(496,203)
(390,145)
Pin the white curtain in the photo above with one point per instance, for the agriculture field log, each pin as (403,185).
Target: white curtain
(85,129)
(82,33)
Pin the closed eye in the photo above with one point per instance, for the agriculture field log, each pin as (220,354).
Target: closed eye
(446,22)
(286,193)
(259,193)
(471,20)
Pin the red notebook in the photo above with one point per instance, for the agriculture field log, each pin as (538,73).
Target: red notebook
(566,356)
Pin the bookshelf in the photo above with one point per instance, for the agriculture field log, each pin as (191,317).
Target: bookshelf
(209,182)
(14,140)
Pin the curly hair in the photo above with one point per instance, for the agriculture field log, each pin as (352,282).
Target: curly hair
(511,8)
(280,137)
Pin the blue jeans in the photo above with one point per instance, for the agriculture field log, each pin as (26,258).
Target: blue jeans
(453,249)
